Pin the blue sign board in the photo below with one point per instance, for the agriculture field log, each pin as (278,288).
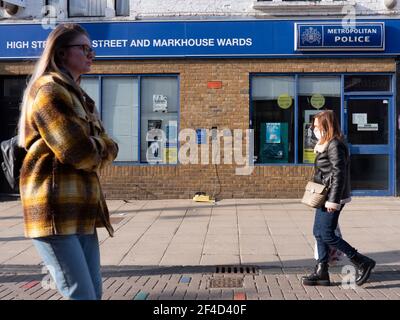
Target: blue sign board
(217,39)
(201,136)
(320,37)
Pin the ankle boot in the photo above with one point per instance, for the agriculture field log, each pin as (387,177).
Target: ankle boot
(320,277)
(364,266)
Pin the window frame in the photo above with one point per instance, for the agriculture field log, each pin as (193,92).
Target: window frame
(68,3)
(122,15)
(139,77)
(343,95)
(294,84)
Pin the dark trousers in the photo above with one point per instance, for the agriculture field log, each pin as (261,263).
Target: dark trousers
(325,224)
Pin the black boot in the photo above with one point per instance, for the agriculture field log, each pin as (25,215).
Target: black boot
(364,266)
(320,277)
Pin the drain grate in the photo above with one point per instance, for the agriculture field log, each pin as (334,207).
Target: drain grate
(226,283)
(237,269)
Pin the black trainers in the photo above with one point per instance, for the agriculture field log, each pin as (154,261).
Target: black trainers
(319,278)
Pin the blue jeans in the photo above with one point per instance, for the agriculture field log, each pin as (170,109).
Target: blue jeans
(74,264)
(325,224)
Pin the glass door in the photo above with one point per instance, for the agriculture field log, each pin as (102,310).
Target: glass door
(370,133)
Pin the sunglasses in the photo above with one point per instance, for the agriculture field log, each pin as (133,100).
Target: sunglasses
(85,48)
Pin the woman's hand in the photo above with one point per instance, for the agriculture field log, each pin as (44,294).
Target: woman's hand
(330,210)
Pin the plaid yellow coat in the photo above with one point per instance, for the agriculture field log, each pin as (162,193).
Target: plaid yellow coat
(67,145)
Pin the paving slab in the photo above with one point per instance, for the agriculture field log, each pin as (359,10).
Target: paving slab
(158,241)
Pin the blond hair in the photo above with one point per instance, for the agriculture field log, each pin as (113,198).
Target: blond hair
(49,62)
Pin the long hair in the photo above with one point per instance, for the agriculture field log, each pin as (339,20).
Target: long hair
(49,62)
(329,124)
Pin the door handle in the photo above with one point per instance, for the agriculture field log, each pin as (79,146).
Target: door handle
(398,121)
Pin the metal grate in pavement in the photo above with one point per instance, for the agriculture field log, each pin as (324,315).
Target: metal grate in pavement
(237,269)
(227,282)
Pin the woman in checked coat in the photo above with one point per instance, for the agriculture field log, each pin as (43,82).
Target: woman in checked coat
(66,145)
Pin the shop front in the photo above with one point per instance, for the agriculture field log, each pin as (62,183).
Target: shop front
(364,104)
(159,84)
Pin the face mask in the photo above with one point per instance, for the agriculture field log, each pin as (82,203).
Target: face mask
(317,133)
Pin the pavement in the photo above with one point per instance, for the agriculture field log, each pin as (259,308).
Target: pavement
(235,249)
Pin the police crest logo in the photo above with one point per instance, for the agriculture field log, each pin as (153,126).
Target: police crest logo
(311,35)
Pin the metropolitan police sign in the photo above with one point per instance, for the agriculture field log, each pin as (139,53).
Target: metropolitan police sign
(217,39)
(338,37)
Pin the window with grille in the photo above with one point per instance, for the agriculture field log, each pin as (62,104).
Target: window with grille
(122,7)
(88,8)
(96,8)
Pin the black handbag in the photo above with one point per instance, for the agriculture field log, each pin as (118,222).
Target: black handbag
(13,156)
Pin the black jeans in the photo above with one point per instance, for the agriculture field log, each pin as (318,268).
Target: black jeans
(325,224)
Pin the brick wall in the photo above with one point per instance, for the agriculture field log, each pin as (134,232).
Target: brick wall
(201,107)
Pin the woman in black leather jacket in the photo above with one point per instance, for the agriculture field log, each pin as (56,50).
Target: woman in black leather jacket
(332,168)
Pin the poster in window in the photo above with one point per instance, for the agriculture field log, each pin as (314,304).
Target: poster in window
(171,154)
(171,131)
(160,103)
(156,126)
(273,132)
(309,142)
(309,114)
(272,151)
(154,152)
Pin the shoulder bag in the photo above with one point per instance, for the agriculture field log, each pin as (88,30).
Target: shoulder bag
(13,156)
(315,194)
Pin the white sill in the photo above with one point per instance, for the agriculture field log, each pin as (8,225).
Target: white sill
(303,7)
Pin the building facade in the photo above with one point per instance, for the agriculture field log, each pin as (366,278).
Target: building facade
(217,96)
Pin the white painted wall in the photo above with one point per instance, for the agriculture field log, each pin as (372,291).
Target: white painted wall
(32,10)
(192,9)
(215,8)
